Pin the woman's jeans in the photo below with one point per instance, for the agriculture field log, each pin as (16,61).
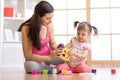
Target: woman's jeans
(39,66)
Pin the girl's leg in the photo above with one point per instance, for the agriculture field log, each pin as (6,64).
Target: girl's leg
(83,68)
(33,65)
(63,66)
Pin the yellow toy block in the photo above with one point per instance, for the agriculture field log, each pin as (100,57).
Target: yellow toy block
(65,54)
(63,71)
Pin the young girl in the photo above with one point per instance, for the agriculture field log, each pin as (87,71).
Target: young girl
(79,48)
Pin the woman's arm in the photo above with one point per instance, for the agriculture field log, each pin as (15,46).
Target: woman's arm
(53,44)
(27,48)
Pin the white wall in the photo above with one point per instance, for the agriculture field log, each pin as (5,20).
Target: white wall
(1,29)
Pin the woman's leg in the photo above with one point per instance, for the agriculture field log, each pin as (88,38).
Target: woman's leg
(33,65)
(55,62)
(83,68)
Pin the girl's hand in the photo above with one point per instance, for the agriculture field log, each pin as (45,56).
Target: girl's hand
(71,53)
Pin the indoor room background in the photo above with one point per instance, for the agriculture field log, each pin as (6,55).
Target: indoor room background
(103,14)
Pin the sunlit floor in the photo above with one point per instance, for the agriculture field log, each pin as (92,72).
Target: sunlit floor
(102,73)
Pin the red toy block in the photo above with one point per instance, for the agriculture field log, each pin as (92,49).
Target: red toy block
(113,71)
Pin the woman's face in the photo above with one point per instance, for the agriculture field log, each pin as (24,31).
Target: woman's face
(46,19)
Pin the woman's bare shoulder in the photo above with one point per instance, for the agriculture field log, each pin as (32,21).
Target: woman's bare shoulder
(25,28)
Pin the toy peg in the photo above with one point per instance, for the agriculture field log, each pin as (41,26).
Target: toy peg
(60,46)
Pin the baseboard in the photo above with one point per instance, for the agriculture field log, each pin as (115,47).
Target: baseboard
(11,66)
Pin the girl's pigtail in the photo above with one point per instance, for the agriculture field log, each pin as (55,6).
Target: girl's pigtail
(95,30)
(76,23)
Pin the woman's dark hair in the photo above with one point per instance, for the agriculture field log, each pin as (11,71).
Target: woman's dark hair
(83,25)
(40,10)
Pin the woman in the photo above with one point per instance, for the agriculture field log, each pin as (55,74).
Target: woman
(39,46)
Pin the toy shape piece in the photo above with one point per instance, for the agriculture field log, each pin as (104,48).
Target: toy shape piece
(34,72)
(65,54)
(60,46)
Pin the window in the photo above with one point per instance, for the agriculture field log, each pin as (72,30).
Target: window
(103,15)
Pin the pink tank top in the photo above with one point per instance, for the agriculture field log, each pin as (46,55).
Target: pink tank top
(45,50)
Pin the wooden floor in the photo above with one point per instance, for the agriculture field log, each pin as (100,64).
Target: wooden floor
(103,73)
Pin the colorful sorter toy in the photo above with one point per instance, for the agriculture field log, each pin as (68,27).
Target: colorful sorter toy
(65,54)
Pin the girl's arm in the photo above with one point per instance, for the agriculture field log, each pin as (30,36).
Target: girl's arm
(68,45)
(82,55)
(27,48)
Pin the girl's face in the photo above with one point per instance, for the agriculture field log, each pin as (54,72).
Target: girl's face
(82,35)
(46,19)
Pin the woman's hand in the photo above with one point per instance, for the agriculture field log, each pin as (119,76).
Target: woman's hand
(54,54)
